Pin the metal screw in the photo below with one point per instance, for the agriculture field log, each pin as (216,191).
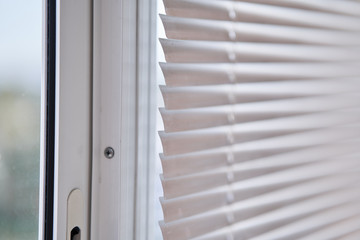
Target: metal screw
(109,152)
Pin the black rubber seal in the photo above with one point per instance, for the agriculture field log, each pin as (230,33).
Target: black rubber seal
(50,119)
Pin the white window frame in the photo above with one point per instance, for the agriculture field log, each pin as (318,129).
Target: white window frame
(105,97)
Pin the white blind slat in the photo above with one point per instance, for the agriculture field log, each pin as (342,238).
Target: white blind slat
(303,229)
(181,51)
(205,181)
(199,97)
(259,13)
(352,235)
(182,74)
(218,30)
(339,231)
(335,6)
(198,140)
(182,165)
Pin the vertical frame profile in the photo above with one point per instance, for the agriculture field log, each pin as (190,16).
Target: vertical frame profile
(66,114)
(73,119)
(124,108)
(146,119)
(114,119)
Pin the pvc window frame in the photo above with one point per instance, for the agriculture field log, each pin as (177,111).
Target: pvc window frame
(105,96)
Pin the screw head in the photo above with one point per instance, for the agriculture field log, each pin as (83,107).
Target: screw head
(109,152)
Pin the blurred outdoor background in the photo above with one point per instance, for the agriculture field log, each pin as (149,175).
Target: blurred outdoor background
(20,70)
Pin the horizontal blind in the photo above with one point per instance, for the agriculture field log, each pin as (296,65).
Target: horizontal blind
(261,119)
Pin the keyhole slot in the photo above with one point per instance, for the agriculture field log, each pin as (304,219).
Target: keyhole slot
(76,233)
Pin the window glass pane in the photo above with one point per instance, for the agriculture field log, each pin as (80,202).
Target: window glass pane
(20,70)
